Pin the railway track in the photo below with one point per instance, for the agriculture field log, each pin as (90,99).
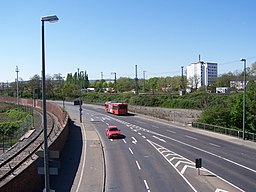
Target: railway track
(24,150)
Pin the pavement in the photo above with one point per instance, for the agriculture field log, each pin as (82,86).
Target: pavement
(82,166)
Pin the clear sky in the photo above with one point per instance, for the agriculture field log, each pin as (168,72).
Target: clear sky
(159,36)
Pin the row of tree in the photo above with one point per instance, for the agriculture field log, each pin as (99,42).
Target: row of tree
(70,86)
(223,110)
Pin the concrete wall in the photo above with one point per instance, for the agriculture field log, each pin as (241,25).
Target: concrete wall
(184,116)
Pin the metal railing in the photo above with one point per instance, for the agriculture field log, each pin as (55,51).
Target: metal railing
(227,131)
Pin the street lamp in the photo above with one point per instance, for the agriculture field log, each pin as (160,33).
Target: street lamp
(114,73)
(53,18)
(244,100)
(17,81)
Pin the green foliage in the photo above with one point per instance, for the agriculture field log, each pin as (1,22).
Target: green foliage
(228,112)
(216,115)
(12,120)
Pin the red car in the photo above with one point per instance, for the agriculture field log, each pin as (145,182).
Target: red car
(112,131)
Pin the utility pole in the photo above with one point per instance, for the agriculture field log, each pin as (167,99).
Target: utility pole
(114,81)
(101,76)
(136,80)
(17,71)
(144,80)
(182,87)
(182,78)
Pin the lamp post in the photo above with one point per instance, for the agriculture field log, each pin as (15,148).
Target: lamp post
(144,80)
(17,71)
(114,73)
(244,100)
(53,18)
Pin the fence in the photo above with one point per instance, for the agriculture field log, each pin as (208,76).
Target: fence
(226,131)
(8,140)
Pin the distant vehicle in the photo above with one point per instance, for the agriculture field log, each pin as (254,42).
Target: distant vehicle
(77,102)
(116,108)
(112,131)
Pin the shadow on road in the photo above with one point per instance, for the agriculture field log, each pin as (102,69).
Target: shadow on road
(70,159)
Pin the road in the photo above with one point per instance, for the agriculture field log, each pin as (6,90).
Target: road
(157,156)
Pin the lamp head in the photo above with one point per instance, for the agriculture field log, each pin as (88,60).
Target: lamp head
(52,18)
(242,59)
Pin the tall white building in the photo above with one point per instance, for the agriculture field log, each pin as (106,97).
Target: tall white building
(201,74)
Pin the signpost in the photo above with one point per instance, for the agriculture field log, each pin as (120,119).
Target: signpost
(198,164)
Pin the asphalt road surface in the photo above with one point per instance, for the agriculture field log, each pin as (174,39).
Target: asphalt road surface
(153,155)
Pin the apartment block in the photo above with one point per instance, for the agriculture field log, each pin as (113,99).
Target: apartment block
(201,74)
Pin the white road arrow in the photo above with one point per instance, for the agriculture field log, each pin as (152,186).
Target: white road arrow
(134,140)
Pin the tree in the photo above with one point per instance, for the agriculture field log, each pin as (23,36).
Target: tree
(125,84)
(153,84)
(194,81)
(251,106)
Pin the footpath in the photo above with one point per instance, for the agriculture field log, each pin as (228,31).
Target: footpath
(82,165)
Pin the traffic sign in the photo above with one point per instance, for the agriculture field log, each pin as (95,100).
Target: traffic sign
(52,171)
(52,154)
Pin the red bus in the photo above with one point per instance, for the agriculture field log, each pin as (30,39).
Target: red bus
(116,108)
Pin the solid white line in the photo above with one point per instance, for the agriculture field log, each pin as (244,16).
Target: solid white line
(140,121)
(159,138)
(83,165)
(191,137)
(138,165)
(131,151)
(170,131)
(124,141)
(146,184)
(214,145)
(210,153)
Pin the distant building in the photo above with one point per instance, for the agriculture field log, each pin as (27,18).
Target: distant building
(225,90)
(238,85)
(201,74)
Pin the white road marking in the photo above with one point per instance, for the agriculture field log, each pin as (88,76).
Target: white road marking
(185,167)
(92,119)
(155,126)
(191,137)
(131,150)
(146,184)
(210,153)
(220,190)
(83,165)
(138,165)
(139,133)
(134,140)
(159,148)
(111,139)
(186,162)
(124,140)
(140,121)
(107,123)
(214,145)
(170,131)
(143,137)
(159,138)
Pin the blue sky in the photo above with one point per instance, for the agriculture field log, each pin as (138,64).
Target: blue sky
(159,36)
